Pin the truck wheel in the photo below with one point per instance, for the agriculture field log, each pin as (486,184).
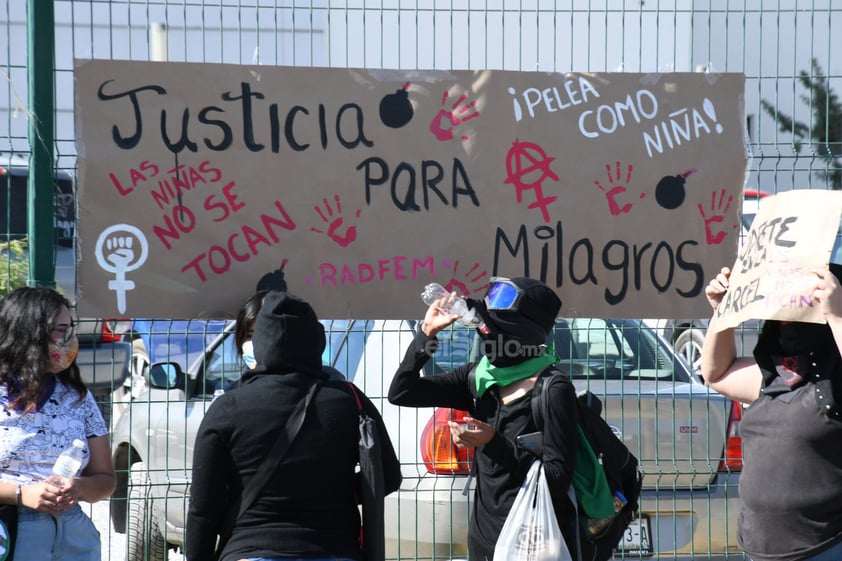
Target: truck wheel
(145,541)
(689,345)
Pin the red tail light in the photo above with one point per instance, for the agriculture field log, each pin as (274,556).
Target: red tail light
(115,329)
(733,458)
(440,455)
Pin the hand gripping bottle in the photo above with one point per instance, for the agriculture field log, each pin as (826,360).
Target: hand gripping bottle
(434,292)
(68,463)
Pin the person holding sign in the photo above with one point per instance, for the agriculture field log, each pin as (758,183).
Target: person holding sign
(518,315)
(791,483)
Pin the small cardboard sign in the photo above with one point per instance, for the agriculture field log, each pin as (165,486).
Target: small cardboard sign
(622,191)
(791,236)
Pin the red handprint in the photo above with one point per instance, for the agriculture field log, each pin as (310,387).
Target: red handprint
(442,124)
(718,216)
(334,224)
(611,195)
(470,277)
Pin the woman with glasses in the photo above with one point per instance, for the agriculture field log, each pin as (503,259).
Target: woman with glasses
(46,406)
(517,317)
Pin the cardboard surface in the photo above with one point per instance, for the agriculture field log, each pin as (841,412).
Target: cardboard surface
(620,190)
(792,235)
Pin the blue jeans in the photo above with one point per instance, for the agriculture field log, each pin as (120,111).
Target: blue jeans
(832,554)
(70,536)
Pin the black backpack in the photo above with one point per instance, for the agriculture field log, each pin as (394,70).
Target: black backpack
(620,465)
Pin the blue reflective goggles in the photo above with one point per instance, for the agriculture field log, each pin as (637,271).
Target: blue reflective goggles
(503,294)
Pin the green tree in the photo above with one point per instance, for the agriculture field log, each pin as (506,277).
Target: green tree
(824,133)
(14,265)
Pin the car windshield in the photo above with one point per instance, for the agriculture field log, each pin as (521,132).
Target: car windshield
(610,349)
(345,343)
(173,340)
(455,345)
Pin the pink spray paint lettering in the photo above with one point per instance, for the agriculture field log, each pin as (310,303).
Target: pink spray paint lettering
(398,267)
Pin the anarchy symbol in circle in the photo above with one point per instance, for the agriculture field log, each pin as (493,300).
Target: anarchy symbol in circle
(527,167)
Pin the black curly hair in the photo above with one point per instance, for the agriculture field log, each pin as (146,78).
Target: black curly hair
(26,320)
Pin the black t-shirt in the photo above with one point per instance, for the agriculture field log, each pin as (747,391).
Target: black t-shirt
(791,483)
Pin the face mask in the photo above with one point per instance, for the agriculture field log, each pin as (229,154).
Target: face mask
(62,354)
(248,355)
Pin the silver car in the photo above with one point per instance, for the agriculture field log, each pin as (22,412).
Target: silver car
(684,435)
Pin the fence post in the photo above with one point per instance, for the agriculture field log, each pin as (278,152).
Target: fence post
(40,68)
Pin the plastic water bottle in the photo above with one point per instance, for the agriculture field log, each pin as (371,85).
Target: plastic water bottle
(217,393)
(68,463)
(434,292)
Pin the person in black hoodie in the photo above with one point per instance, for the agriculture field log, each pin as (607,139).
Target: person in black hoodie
(308,508)
(517,317)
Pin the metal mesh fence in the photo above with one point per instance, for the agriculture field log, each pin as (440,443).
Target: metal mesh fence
(785,48)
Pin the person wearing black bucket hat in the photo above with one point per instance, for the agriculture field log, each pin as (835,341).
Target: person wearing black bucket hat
(517,315)
(791,481)
(308,507)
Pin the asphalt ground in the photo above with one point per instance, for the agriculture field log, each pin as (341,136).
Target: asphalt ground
(113,544)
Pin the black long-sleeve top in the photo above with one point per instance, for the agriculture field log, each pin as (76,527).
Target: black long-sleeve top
(309,507)
(501,466)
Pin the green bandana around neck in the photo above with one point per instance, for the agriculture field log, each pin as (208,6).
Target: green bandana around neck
(488,375)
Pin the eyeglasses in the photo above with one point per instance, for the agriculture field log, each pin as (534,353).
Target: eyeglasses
(64,334)
(503,294)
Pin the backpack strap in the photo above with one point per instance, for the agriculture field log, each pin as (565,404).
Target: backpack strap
(539,403)
(356,397)
(279,449)
(541,392)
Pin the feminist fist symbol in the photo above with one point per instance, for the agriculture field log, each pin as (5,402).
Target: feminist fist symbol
(442,124)
(334,224)
(718,216)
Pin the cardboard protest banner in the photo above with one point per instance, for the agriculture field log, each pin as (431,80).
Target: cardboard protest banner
(792,234)
(621,191)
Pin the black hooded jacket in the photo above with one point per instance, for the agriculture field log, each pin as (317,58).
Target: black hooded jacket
(309,506)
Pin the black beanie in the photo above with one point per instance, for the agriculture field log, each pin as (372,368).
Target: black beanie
(533,319)
(541,304)
(287,335)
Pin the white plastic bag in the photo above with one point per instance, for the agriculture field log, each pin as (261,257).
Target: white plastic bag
(531,530)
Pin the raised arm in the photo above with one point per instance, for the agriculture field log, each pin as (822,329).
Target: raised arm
(733,377)
(449,389)
(828,294)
